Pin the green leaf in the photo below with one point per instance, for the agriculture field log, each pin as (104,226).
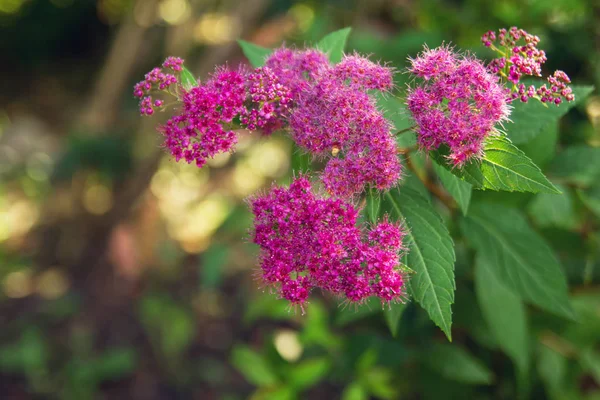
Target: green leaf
(255,54)
(187,79)
(553,209)
(334,43)
(431,254)
(454,363)
(458,189)
(309,372)
(542,148)
(355,391)
(253,366)
(392,316)
(577,164)
(529,119)
(394,110)
(504,313)
(552,368)
(520,257)
(503,167)
(373,204)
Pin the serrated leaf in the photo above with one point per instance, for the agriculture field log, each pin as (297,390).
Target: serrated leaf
(503,167)
(308,372)
(254,53)
(392,316)
(253,366)
(530,119)
(454,363)
(334,43)
(504,313)
(187,79)
(458,189)
(431,254)
(373,204)
(519,256)
(577,164)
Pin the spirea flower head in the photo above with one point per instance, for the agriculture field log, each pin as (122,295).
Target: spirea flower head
(308,241)
(459,106)
(520,56)
(334,116)
(197,131)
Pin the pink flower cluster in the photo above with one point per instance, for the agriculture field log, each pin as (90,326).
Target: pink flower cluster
(521,56)
(334,116)
(458,103)
(157,81)
(311,242)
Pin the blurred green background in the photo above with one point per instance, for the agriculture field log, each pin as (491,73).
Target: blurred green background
(126,275)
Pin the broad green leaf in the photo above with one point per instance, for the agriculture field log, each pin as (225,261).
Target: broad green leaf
(254,53)
(577,164)
(552,368)
(530,119)
(553,209)
(253,366)
(308,373)
(392,316)
(334,43)
(373,204)
(591,198)
(542,148)
(187,79)
(519,256)
(458,189)
(503,167)
(504,313)
(452,362)
(431,254)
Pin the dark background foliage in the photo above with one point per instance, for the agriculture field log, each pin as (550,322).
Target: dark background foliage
(126,275)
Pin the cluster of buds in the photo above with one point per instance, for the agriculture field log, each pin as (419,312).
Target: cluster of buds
(157,81)
(519,56)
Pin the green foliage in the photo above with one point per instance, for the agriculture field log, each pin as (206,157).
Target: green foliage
(519,256)
(334,43)
(254,53)
(458,189)
(453,363)
(579,165)
(503,167)
(187,79)
(253,366)
(431,254)
(531,118)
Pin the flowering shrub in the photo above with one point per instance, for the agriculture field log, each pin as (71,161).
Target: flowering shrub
(349,228)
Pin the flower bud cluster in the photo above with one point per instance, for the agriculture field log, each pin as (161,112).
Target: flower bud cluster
(308,242)
(520,56)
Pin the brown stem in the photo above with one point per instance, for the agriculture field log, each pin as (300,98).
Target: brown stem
(431,186)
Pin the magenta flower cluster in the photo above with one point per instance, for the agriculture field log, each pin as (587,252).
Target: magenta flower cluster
(520,55)
(328,109)
(335,117)
(457,102)
(309,242)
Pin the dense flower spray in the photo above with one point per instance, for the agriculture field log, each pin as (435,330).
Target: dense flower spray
(458,102)
(520,55)
(310,242)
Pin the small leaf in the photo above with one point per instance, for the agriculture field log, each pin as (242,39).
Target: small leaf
(530,119)
(519,256)
(253,366)
(431,254)
(334,43)
(504,313)
(393,315)
(308,373)
(454,363)
(373,204)
(503,167)
(187,79)
(254,53)
(458,189)
(577,164)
